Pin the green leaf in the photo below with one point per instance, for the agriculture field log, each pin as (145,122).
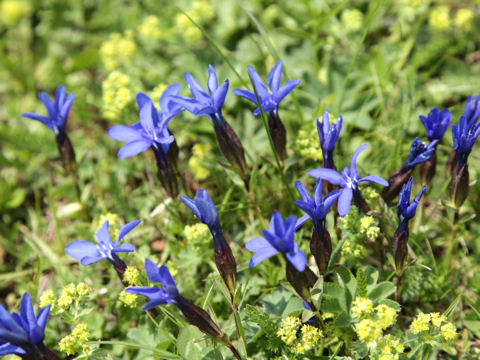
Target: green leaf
(189,343)
(381,291)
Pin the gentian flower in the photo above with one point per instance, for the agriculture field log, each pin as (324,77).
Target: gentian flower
(210,104)
(317,209)
(89,253)
(279,237)
(328,136)
(405,210)
(472,110)
(269,102)
(169,294)
(56,120)
(419,153)
(152,132)
(204,209)
(23,334)
(464,137)
(436,123)
(348,181)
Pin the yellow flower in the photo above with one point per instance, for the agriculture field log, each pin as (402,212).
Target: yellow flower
(80,332)
(75,342)
(362,306)
(70,289)
(187,29)
(440,18)
(129,300)
(65,300)
(131,275)
(307,145)
(157,92)
(83,289)
(195,163)
(463,19)
(116,95)
(448,331)
(421,323)
(11,11)
(150,28)
(68,344)
(352,19)
(47,298)
(368,331)
(288,329)
(437,319)
(386,316)
(203,11)
(118,50)
(310,337)
(365,223)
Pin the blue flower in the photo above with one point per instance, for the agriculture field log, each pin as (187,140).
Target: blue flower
(464,137)
(406,209)
(268,100)
(203,103)
(151,130)
(278,238)
(328,135)
(22,334)
(203,208)
(472,110)
(57,113)
(348,180)
(436,123)
(166,295)
(419,153)
(316,208)
(89,253)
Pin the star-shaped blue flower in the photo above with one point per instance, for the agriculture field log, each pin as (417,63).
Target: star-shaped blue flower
(464,137)
(22,334)
(348,180)
(278,238)
(317,208)
(89,253)
(406,209)
(203,103)
(268,100)
(57,113)
(419,153)
(436,123)
(328,136)
(151,130)
(166,295)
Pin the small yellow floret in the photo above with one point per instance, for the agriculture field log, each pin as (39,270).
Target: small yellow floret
(437,319)
(68,345)
(386,316)
(362,306)
(80,332)
(157,92)
(47,298)
(70,289)
(203,11)
(129,300)
(118,50)
(440,18)
(463,19)
(288,329)
(131,275)
(195,163)
(448,331)
(368,331)
(310,337)
(11,11)
(83,289)
(365,223)
(64,301)
(352,19)
(150,28)
(116,94)
(420,323)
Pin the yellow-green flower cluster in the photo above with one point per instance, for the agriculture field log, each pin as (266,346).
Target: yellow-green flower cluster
(48,298)
(352,19)
(128,300)
(307,145)
(74,343)
(373,320)
(150,28)
(195,163)
(390,348)
(368,227)
(11,11)
(197,236)
(116,94)
(464,19)
(288,329)
(202,12)
(118,50)
(421,324)
(370,193)
(362,306)
(308,335)
(157,92)
(439,18)
(131,275)
(70,293)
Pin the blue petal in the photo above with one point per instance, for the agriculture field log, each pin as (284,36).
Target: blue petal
(275,76)
(353,164)
(297,259)
(190,104)
(249,95)
(302,220)
(330,175)
(152,271)
(344,201)
(257,244)
(212,80)
(66,108)
(80,249)
(45,99)
(259,85)
(318,193)
(197,91)
(43,119)
(8,348)
(89,260)
(103,233)
(172,90)
(285,90)
(191,205)
(16,338)
(302,191)
(219,95)
(166,277)
(133,148)
(147,291)
(125,247)
(374,179)
(60,95)
(147,118)
(142,99)
(262,255)
(42,317)
(26,310)
(126,229)
(124,133)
